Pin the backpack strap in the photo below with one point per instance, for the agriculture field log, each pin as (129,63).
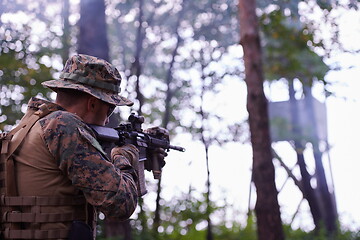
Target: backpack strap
(16,136)
(19,132)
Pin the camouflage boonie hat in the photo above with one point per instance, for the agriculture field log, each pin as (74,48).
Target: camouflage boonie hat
(92,75)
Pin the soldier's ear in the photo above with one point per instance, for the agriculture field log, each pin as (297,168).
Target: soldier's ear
(91,103)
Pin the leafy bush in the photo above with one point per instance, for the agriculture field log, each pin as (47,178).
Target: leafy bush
(185,217)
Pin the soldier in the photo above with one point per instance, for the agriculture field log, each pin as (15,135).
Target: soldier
(58,177)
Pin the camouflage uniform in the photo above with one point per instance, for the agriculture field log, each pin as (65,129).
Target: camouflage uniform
(60,156)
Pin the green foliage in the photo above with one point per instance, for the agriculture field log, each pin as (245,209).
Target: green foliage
(249,232)
(298,234)
(184,217)
(30,39)
(289,49)
(168,31)
(21,73)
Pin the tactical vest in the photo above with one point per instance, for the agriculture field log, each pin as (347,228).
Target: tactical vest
(22,216)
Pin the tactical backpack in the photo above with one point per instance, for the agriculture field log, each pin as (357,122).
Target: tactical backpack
(13,219)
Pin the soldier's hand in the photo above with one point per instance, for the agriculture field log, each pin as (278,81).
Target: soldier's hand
(129,152)
(158,153)
(158,131)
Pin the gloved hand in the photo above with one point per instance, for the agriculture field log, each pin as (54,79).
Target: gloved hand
(158,153)
(126,152)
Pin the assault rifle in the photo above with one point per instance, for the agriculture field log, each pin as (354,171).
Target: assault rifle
(132,133)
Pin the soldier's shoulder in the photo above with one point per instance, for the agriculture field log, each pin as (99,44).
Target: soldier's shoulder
(62,117)
(65,129)
(62,121)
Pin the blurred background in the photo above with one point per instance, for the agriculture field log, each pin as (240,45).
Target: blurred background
(183,65)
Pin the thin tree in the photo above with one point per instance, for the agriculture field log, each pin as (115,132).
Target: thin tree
(326,201)
(136,66)
(307,190)
(267,207)
(66,29)
(207,142)
(170,93)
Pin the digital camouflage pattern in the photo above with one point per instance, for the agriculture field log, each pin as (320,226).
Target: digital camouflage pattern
(92,75)
(108,186)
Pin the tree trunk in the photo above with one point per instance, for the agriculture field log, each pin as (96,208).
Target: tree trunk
(329,212)
(115,228)
(209,232)
(136,67)
(93,32)
(66,29)
(267,206)
(307,190)
(206,141)
(168,109)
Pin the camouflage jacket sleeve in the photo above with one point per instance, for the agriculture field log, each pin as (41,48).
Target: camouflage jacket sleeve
(110,188)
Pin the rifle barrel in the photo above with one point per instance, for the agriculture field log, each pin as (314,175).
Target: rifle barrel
(177,148)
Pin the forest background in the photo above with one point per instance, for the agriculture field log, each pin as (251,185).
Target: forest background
(183,63)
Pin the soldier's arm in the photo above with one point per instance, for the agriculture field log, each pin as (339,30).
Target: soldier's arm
(111,187)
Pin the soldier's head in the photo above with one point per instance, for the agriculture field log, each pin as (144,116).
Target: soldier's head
(90,85)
